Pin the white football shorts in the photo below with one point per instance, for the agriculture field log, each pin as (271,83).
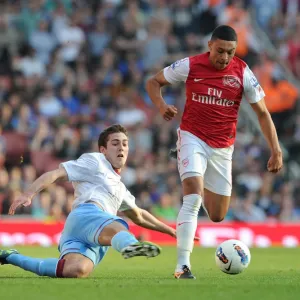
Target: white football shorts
(196,158)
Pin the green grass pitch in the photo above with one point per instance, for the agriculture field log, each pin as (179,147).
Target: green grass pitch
(273,274)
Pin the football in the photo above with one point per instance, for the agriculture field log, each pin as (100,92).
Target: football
(232,257)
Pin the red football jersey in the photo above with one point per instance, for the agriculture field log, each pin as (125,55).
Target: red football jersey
(213,97)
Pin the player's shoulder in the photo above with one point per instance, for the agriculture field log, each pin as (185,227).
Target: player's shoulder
(199,58)
(94,156)
(189,61)
(238,62)
(180,63)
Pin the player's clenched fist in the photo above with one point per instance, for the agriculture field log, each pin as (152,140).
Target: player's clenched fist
(168,112)
(23,199)
(275,163)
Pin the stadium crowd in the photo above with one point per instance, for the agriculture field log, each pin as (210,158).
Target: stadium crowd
(70,68)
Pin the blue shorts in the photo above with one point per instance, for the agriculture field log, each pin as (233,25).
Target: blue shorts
(82,229)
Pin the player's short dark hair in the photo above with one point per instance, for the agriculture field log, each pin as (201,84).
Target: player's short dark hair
(104,135)
(225,33)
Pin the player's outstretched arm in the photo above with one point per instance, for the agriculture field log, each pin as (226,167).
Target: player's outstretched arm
(38,185)
(269,131)
(144,219)
(153,87)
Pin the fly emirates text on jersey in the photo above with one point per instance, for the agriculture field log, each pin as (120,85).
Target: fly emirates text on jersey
(213,97)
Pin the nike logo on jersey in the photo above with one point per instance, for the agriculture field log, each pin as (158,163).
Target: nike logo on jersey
(228,269)
(198,79)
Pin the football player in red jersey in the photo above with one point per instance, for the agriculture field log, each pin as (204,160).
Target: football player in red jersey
(216,82)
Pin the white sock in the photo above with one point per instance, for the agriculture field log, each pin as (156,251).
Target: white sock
(186,229)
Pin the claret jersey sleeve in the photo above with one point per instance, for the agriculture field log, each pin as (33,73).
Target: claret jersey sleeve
(83,168)
(178,71)
(253,92)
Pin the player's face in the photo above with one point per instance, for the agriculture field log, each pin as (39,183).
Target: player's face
(116,151)
(221,53)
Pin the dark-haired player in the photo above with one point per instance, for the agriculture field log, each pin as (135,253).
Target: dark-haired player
(216,82)
(92,226)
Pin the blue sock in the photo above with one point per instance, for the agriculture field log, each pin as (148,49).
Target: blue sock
(39,266)
(122,239)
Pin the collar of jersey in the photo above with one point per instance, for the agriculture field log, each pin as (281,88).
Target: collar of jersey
(111,167)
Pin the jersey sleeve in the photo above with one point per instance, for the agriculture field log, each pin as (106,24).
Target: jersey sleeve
(82,168)
(178,71)
(253,92)
(128,202)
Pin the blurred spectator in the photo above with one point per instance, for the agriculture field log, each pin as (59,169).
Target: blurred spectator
(60,19)
(30,65)
(2,142)
(41,205)
(281,101)
(155,48)
(42,138)
(128,113)
(42,42)
(6,117)
(127,38)
(71,38)
(98,39)
(4,190)
(48,103)
(24,121)
(10,40)
(31,14)
(165,209)
(69,101)
(265,10)
(248,211)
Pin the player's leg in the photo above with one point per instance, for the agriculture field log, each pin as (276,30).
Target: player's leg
(79,246)
(75,265)
(82,250)
(39,266)
(218,184)
(77,258)
(187,223)
(90,225)
(216,205)
(117,235)
(192,162)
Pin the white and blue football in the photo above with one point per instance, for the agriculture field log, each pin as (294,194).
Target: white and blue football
(232,257)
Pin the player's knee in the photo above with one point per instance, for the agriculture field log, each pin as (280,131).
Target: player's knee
(216,218)
(82,270)
(191,204)
(193,185)
(109,232)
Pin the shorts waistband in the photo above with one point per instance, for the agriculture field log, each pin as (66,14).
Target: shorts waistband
(95,203)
